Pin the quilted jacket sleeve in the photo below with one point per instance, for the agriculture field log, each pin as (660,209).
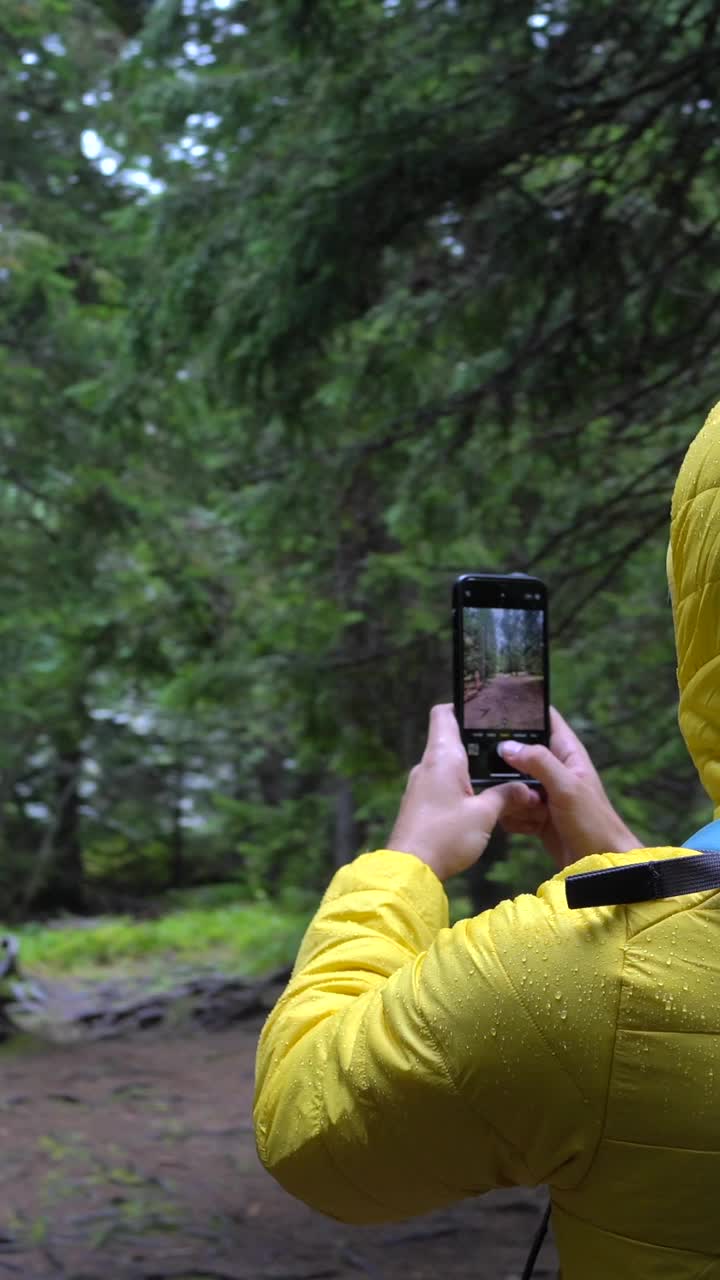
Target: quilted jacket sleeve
(408,1065)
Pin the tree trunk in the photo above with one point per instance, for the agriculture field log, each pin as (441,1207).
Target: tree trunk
(486,893)
(66,880)
(56,881)
(345,844)
(177,839)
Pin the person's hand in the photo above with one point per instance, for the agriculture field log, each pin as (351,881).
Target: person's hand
(577,817)
(441,821)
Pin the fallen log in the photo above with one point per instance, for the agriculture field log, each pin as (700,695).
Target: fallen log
(213,1002)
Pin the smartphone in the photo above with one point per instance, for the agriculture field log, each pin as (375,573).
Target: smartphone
(500,669)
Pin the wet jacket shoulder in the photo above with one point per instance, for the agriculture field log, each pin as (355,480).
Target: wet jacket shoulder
(408,1065)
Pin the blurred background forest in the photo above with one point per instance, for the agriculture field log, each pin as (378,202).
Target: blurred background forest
(305,308)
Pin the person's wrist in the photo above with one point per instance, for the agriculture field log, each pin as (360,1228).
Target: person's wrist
(423,855)
(626,841)
(435,863)
(414,847)
(618,838)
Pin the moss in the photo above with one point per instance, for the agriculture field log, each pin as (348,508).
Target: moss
(243,938)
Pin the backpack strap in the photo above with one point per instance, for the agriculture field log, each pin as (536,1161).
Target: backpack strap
(642,881)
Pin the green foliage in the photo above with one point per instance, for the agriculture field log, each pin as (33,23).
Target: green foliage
(526,866)
(237,937)
(371,297)
(278,846)
(115,862)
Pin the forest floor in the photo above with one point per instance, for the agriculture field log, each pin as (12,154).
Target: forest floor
(133,1159)
(507,702)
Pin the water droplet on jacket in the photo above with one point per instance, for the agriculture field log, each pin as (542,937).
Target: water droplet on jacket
(563,1013)
(493,1031)
(558,995)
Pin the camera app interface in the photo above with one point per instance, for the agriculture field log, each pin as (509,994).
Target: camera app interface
(504,683)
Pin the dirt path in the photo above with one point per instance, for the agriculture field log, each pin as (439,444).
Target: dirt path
(134,1159)
(507,702)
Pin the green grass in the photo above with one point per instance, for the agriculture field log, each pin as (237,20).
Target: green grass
(248,938)
(204,927)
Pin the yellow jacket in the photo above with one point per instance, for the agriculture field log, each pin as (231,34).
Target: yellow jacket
(408,1065)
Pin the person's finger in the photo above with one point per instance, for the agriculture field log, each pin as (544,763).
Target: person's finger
(523,798)
(443,724)
(525,813)
(565,744)
(443,738)
(540,763)
(510,797)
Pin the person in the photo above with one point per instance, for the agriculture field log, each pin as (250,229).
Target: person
(408,1065)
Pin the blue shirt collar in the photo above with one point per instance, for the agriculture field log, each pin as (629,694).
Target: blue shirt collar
(707,839)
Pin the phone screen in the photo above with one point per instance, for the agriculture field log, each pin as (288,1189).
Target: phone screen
(501,669)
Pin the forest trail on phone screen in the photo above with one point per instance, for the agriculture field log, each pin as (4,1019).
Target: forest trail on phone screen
(134,1159)
(507,702)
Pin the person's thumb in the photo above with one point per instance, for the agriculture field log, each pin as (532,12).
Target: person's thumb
(540,763)
(497,801)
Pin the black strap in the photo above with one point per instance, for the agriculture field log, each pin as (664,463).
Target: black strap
(642,881)
(537,1243)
